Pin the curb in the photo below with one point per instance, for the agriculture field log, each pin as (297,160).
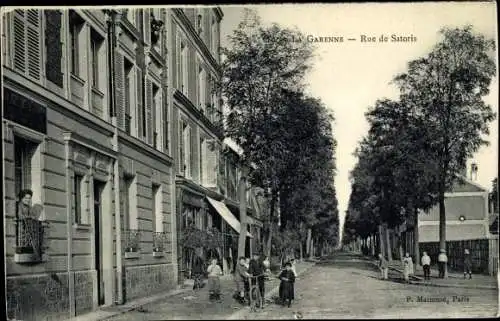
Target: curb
(238,315)
(121,309)
(477,287)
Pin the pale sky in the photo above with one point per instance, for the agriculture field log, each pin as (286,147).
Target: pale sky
(350,76)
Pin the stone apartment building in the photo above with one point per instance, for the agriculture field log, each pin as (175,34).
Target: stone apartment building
(206,178)
(109,117)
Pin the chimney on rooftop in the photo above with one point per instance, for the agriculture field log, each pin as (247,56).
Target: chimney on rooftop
(473,171)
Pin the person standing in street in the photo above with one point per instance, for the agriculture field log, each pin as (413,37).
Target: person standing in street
(383,266)
(442,260)
(467,264)
(214,273)
(240,277)
(407,267)
(287,284)
(426,264)
(256,268)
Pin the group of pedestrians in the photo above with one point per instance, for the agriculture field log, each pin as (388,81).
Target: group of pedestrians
(254,272)
(408,267)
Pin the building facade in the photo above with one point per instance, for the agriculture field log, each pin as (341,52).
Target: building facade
(86,128)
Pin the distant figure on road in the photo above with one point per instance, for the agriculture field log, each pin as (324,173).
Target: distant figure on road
(286,290)
(426,264)
(407,267)
(467,264)
(383,266)
(267,267)
(442,260)
(214,273)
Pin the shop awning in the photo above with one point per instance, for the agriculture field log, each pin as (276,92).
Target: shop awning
(226,214)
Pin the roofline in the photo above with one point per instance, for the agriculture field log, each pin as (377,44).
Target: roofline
(472,182)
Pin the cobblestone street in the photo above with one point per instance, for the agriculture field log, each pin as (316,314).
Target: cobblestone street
(345,286)
(348,287)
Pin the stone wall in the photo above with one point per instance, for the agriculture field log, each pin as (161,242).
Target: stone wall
(142,281)
(38,297)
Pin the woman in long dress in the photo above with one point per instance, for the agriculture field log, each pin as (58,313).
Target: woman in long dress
(287,285)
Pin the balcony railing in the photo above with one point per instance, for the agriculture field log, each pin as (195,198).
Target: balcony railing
(159,240)
(132,240)
(30,239)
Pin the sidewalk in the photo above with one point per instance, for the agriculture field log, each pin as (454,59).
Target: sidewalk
(478,281)
(183,304)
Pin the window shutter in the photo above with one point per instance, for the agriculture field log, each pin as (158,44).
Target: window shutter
(164,110)
(189,154)
(139,100)
(53,70)
(147,25)
(19,35)
(33,42)
(181,147)
(119,91)
(149,111)
(211,161)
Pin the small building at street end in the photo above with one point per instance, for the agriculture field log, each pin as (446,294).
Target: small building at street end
(467,227)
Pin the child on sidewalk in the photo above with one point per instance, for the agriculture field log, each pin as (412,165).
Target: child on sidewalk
(214,273)
(287,284)
(383,266)
(407,267)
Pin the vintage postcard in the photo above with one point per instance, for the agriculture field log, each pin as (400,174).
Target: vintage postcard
(277,161)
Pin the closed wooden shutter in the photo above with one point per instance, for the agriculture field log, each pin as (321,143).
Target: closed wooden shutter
(149,111)
(53,45)
(164,108)
(120,91)
(139,100)
(147,25)
(181,147)
(27,43)
(33,42)
(211,161)
(19,35)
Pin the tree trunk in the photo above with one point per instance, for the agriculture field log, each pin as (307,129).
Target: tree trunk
(388,241)
(416,249)
(243,213)
(400,246)
(372,244)
(381,240)
(301,249)
(442,227)
(271,218)
(311,250)
(308,242)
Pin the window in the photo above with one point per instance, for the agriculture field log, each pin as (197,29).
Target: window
(129,78)
(157,108)
(95,45)
(79,199)
(186,137)
(131,202)
(24,161)
(157,208)
(201,88)
(75,26)
(181,147)
(53,47)
(203,155)
(183,76)
(199,23)
(213,37)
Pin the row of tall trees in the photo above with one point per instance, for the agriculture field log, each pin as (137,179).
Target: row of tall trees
(286,135)
(417,144)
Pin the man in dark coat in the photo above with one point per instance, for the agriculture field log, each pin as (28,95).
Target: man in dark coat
(257,268)
(287,284)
